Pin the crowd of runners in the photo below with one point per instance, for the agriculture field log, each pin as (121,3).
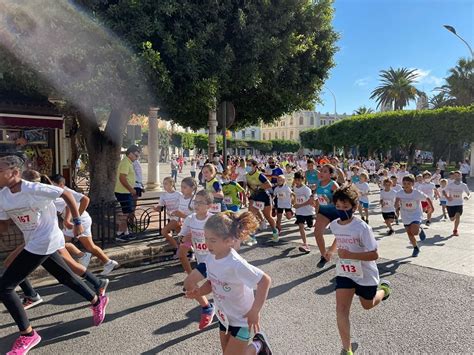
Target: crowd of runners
(211,215)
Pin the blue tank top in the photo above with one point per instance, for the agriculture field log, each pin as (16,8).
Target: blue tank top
(326,191)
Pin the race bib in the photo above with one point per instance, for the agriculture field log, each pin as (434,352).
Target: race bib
(322,200)
(259,205)
(200,246)
(228,200)
(349,268)
(222,318)
(300,200)
(26,219)
(409,205)
(387,203)
(215,208)
(281,196)
(457,196)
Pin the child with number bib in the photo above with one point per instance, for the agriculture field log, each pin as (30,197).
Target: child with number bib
(387,202)
(232,280)
(304,209)
(192,234)
(442,198)
(364,190)
(454,195)
(214,186)
(284,196)
(429,189)
(232,191)
(170,199)
(356,269)
(409,202)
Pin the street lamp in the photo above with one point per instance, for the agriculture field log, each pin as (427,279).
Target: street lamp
(334,97)
(453,31)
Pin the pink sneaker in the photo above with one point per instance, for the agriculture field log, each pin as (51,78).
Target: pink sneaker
(24,344)
(206,319)
(98,312)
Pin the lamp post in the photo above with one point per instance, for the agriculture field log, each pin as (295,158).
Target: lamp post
(335,115)
(453,31)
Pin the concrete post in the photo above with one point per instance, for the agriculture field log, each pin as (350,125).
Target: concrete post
(153,182)
(212,124)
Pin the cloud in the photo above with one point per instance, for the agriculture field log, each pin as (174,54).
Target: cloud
(362,81)
(425,77)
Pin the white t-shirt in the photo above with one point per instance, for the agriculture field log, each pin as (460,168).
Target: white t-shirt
(465,168)
(410,205)
(397,188)
(427,188)
(303,164)
(171,201)
(436,178)
(195,227)
(364,189)
(233,280)
(60,204)
(401,174)
(358,237)
(388,200)
(241,172)
(184,205)
(33,211)
(303,194)
(283,195)
(456,192)
(442,198)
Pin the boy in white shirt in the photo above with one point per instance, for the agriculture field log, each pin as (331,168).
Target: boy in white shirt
(356,269)
(429,189)
(304,205)
(442,199)
(284,196)
(454,194)
(364,190)
(387,202)
(396,187)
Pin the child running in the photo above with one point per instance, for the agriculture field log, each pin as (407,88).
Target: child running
(232,191)
(356,269)
(304,209)
(170,199)
(284,196)
(30,206)
(364,190)
(442,198)
(85,238)
(409,201)
(429,189)
(192,234)
(214,186)
(387,202)
(454,194)
(231,279)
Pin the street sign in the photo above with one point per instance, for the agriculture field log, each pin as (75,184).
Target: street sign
(226,110)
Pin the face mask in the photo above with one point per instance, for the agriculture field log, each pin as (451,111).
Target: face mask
(216,159)
(272,166)
(248,169)
(344,215)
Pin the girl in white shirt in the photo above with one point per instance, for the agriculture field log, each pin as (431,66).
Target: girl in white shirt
(232,280)
(170,200)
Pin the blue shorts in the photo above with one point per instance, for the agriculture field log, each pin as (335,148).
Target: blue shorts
(442,203)
(241,333)
(202,268)
(126,201)
(233,208)
(364,204)
(328,211)
(413,222)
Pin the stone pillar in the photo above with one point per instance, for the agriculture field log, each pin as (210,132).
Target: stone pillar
(212,124)
(153,182)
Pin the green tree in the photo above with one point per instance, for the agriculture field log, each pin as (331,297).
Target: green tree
(262,146)
(441,99)
(362,110)
(285,146)
(459,87)
(396,88)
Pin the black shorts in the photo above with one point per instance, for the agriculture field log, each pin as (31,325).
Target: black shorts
(304,219)
(389,215)
(240,333)
(261,196)
(452,210)
(139,191)
(366,292)
(281,210)
(126,201)
(202,268)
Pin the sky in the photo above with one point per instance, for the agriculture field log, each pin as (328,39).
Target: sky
(379,34)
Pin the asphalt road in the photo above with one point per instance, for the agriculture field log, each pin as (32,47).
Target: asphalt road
(430,311)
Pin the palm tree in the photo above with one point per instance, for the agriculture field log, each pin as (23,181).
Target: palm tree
(459,85)
(441,99)
(397,88)
(362,110)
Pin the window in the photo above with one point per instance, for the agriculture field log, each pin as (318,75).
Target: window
(283,123)
(264,136)
(291,121)
(291,135)
(243,134)
(301,120)
(283,135)
(323,122)
(252,134)
(311,121)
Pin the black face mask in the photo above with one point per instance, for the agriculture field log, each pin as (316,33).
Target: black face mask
(272,166)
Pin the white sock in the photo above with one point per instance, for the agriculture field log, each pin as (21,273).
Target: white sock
(257,344)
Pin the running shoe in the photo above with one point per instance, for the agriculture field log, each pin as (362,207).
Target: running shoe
(416,251)
(207,317)
(322,262)
(109,267)
(422,234)
(98,312)
(346,352)
(275,236)
(104,283)
(386,287)
(456,233)
(428,223)
(390,232)
(24,343)
(85,259)
(304,249)
(261,337)
(251,241)
(29,302)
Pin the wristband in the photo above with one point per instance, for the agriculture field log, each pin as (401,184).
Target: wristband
(77,221)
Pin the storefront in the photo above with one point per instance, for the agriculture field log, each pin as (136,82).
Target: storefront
(36,129)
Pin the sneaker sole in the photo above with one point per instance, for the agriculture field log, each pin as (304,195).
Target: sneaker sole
(33,304)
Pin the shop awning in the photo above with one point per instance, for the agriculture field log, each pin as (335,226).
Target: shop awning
(26,121)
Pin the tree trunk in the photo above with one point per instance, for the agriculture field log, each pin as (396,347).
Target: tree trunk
(104,149)
(411,154)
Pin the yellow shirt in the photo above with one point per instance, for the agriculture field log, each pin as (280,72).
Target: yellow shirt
(125,167)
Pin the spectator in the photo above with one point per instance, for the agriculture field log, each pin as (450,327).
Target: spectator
(441,165)
(125,192)
(465,169)
(193,168)
(174,169)
(139,187)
